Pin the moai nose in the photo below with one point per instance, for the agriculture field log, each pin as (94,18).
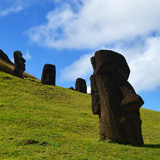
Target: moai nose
(131,101)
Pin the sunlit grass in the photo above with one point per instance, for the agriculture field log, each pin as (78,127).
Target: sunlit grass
(62,119)
(7,68)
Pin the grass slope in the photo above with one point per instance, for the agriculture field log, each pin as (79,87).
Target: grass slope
(7,68)
(60,120)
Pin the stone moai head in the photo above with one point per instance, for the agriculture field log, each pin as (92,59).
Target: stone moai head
(106,61)
(114,99)
(80,85)
(48,74)
(19,64)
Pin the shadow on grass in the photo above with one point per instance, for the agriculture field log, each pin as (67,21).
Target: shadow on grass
(151,146)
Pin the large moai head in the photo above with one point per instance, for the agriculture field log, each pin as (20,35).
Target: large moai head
(114,99)
(19,64)
(48,74)
(106,62)
(80,85)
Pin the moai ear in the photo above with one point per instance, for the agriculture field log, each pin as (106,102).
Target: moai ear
(95,96)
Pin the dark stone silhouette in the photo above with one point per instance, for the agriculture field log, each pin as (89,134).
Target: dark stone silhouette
(114,99)
(48,74)
(5,58)
(80,85)
(71,88)
(19,64)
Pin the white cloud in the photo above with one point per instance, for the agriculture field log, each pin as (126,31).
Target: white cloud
(144,66)
(8,7)
(88,89)
(27,56)
(79,69)
(96,23)
(10,10)
(129,27)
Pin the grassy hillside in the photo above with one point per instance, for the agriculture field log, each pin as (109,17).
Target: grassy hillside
(7,68)
(59,124)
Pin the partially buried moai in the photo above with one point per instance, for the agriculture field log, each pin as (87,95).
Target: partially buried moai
(115,100)
(19,64)
(48,74)
(80,85)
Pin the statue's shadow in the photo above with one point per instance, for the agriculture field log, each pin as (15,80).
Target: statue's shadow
(151,146)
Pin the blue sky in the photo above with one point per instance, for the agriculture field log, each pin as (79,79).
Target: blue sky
(67,33)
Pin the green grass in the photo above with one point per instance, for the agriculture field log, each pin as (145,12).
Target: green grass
(62,118)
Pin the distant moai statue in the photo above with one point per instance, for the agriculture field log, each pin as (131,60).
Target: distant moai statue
(71,88)
(115,100)
(80,85)
(5,58)
(19,64)
(48,74)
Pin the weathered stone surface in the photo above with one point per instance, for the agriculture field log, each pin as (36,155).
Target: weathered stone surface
(114,99)
(5,58)
(48,74)
(19,64)
(80,85)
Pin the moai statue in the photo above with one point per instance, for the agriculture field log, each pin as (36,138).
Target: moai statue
(80,85)
(48,74)
(71,88)
(114,99)
(19,64)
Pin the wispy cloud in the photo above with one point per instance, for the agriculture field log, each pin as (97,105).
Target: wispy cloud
(27,56)
(96,23)
(10,10)
(79,69)
(9,7)
(129,27)
(144,65)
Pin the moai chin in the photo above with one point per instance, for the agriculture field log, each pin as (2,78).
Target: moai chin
(114,99)
(48,74)
(19,64)
(80,85)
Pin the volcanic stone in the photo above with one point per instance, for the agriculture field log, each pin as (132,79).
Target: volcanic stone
(114,99)
(80,85)
(48,74)
(19,64)
(5,58)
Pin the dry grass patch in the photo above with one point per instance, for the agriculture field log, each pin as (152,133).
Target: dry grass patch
(7,68)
